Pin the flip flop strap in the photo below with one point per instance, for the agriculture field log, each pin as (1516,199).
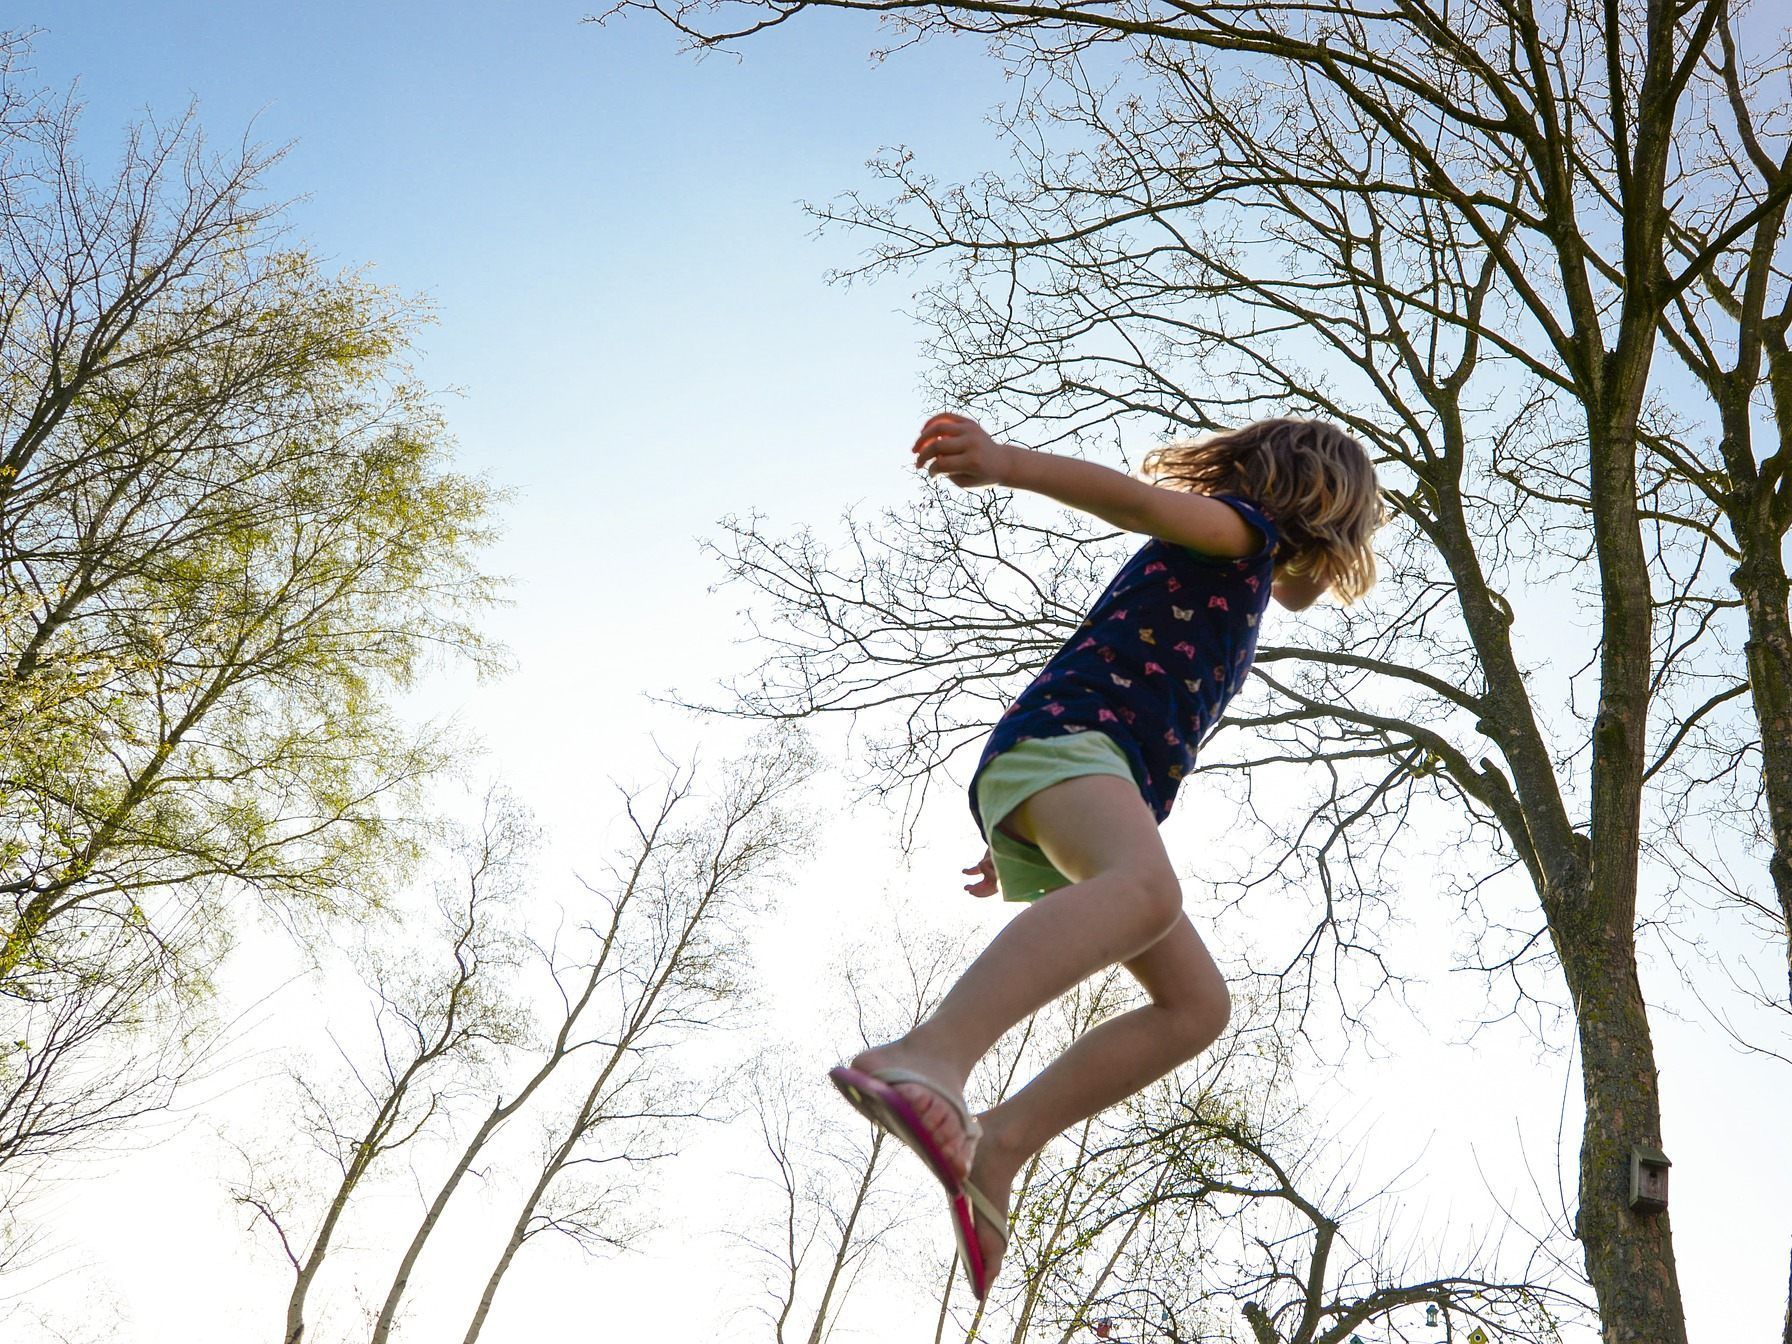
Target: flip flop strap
(981,1203)
(971,1127)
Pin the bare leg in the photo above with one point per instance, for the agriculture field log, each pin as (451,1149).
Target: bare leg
(1105,1065)
(1123,900)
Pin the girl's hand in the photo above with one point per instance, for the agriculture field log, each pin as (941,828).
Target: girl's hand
(986,884)
(959,449)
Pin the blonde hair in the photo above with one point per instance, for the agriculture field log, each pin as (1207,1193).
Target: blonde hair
(1309,476)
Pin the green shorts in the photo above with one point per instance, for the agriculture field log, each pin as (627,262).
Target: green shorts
(1022,870)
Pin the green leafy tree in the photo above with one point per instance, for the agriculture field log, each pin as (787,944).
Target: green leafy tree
(229,535)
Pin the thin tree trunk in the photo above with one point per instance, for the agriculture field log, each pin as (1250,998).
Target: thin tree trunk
(816,1331)
(580,1127)
(1061,1224)
(502,1113)
(499,1115)
(367,1151)
(320,1247)
(1762,583)
(1786,1335)
(401,1278)
(519,1233)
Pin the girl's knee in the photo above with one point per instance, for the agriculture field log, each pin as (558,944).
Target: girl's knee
(1218,1010)
(1157,895)
(1202,1013)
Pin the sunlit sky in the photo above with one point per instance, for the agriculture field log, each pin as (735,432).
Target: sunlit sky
(634,336)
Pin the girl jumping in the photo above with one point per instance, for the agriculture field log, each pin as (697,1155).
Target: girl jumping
(1081,770)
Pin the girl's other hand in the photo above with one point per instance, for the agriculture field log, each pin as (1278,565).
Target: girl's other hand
(985,885)
(958,448)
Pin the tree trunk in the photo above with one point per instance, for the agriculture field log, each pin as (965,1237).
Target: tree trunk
(1786,1337)
(519,1232)
(1761,582)
(401,1278)
(1630,1257)
(821,1327)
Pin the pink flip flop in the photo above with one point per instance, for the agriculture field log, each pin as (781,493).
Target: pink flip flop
(873,1096)
(965,1207)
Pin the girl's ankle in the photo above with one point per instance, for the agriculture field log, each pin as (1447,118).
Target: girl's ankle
(997,1149)
(936,1058)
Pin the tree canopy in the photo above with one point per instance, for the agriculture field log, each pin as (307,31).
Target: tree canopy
(230,533)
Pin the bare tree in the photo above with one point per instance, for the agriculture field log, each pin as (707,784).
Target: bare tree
(1729,329)
(830,1219)
(1214,1198)
(834,1217)
(66,1087)
(1209,1204)
(670,960)
(1461,233)
(466,1041)
(439,1016)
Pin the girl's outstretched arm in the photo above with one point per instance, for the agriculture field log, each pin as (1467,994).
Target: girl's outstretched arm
(962,451)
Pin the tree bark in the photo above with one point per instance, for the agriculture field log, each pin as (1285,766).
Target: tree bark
(1762,584)
(1629,1256)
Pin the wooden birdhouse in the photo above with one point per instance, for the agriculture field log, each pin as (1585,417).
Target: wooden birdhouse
(1648,1180)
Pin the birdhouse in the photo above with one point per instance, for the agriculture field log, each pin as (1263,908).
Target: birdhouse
(1648,1180)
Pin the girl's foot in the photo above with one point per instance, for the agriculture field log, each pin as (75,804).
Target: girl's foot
(944,1124)
(993,1171)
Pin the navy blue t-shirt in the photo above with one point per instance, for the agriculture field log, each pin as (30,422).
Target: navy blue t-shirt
(1163,649)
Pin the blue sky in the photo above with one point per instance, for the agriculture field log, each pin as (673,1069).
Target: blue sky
(634,337)
(632,323)
(609,229)
(631,309)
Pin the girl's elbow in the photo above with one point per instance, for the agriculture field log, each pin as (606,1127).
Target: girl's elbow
(1295,597)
